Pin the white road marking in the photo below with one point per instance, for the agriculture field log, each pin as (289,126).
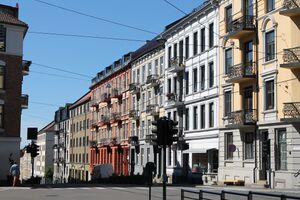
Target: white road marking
(100,188)
(141,188)
(118,188)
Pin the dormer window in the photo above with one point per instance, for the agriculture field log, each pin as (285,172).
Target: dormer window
(2,37)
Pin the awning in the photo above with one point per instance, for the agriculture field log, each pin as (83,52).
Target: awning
(203,150)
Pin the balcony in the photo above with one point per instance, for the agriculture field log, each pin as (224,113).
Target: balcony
(105,98)
(241,118)
(176,64)
(95,106)
(24,101)
(104,121)
(94,125)
(152,109)
(134,114)
(116,118)
(116,94)
(291,8)
(174,100)
(241,72)
(291,111)
(25,67)
(104,141)
(134,88)
(291,58)
(152,80)
(241,27)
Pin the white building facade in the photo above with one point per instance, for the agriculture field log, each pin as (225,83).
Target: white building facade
(191,87)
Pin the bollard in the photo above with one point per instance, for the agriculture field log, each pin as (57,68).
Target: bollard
(182,194)
(282,197)
(250,195)
(200,195)
(222,196)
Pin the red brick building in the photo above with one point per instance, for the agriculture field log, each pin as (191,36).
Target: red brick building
(110,123)
(12,69)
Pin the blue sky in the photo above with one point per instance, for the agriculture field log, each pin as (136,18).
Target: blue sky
(81,55)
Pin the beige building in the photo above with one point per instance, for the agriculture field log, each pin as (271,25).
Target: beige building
(147,103)
(79,149)
(25,165)
(259,137)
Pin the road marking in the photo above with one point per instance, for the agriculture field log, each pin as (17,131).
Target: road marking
(100,188)
(84,188)
(141,188)
(118,188)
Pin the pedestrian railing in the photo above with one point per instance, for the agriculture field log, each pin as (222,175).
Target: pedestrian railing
(228,195)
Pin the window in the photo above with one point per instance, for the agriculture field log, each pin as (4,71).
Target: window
(211,115)
(202,112)
(270,45)
(169,115)
(186,82)
(227,103)
(149,127)
(175,116)
(175,84)
(195,41)
(175,51)
(281,150)
(143,102)
(211,74)
(195,81)
(228,60)
(169,85)
(187,119)
(2,38)
(202,39)
(169,156)
(138,75)
(169,56)
(143,73)
(149,68)
(269,95)
(202,77)
(195,114)
(148,154)
(180,51)
(161,62)
(211,35)
(270,5)
(228,15)
(187,47)
(142,156)
(228,144)
(142,129)
(249,146)
(156,66)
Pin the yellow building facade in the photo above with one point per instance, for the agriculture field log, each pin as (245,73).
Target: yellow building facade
(259,103)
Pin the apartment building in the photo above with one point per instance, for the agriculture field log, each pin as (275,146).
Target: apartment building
(25,165)
(12,70)
(79,148)
(191,90)
(259,139)
(147,104)
(61,145)
(110,122)
(44,161)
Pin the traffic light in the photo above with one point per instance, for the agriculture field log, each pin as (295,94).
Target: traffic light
(34,150)
(172,133)
(156,131)
(28,148)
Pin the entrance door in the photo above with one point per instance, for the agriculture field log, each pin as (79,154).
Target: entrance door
(265,155)
(132,162)
(185,164)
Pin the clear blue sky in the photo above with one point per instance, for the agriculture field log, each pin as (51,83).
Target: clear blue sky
(81,55)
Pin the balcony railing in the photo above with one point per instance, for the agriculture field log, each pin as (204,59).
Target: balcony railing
(25,67)
(152,109)
(291,8)
(134,114)
(116,117)
(116,94)
(105,98)
(241,72)
(174,100)
(291,110)
(134,88)
(94,125)
(291,58)
(24,101)
(104,120)
(152,80)
(95,105)
(242,117)
(241,27)
(176,64)
(104,141)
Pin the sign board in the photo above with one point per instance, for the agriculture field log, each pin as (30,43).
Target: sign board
(231,148)
(32,133)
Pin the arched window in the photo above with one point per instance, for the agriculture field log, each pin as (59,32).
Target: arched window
(269,38)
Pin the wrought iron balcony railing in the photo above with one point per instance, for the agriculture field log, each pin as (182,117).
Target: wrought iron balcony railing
(94,125)
(291,58)
(242,117)
(134,88)
(290,8)
(176,64)
(104,120)
(241,26)
(241,72)
(105,98)
(291,110)
(104,141)
(116,117)
(94,105)
(116,93)
(174,100)
(134,114)
(152,109)
(24,101)
(152,80)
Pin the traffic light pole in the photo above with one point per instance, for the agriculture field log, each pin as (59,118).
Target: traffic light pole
(164,173)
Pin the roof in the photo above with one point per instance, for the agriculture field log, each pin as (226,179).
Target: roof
(47,128)
(9,19)
(86,97)
(149,46)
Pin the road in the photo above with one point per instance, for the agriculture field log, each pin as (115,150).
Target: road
(113,193)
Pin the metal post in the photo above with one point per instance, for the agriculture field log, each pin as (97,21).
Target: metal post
(182,194)
(250,195)
(222,196)
(200,195)
(282,197)
(164,173)
(270,171)
(32,167)
(149,192)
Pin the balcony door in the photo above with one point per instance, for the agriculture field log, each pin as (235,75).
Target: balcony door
(248,7)
(248,104)
(248,58)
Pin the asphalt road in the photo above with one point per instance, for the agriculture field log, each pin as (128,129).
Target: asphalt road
(116,193)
